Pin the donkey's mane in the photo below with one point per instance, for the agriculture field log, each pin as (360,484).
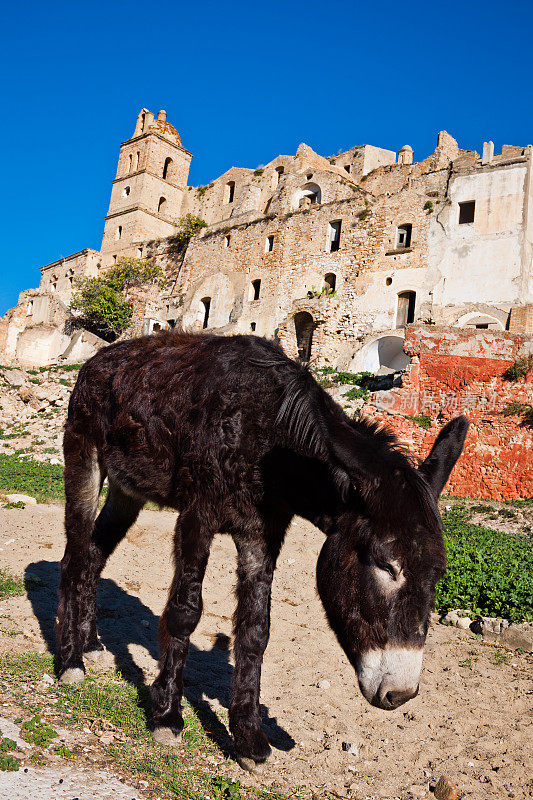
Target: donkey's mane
(364,450)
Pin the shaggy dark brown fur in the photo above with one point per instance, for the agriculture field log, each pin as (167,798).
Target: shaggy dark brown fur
(239,439)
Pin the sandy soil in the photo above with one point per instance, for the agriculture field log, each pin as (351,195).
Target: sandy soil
(471,721)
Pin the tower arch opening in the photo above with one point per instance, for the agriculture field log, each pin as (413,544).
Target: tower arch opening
(167,168)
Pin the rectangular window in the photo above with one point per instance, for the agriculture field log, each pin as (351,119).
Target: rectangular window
(269,244)
(334,235)
(467,212)
(403,238)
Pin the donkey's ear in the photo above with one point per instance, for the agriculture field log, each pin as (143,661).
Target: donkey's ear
(444,453)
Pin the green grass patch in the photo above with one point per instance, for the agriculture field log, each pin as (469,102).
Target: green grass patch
(183,773)
(489,572)
(23,475)
(10,585)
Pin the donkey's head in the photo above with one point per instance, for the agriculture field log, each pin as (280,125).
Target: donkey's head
(378,569)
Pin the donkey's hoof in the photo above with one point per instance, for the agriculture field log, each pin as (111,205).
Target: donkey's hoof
(247,764)
(166,736)
(72,675)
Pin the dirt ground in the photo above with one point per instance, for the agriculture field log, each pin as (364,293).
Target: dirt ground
(472,719)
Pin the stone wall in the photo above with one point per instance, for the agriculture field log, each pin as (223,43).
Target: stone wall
(453,372)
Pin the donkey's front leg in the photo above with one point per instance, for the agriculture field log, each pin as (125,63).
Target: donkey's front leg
(256,563)
(192,541)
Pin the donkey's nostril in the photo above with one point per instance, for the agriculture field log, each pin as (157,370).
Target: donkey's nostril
(394,699)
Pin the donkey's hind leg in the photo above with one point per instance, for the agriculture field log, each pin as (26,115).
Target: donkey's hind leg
(192,542)
(83,480)
(116,517)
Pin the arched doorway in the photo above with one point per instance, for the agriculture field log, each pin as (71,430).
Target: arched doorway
(303,324)
(383,354)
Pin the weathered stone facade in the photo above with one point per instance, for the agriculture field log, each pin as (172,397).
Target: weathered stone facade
(331,256)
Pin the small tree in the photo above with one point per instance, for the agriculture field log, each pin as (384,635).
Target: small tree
(103,303)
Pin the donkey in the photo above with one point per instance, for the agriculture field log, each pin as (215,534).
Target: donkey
(238,438)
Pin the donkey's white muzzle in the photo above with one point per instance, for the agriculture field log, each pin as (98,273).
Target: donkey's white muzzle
(387,678)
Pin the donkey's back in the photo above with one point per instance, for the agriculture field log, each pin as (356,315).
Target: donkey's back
(157,413)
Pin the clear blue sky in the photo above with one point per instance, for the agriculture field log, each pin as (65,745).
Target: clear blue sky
(242,82)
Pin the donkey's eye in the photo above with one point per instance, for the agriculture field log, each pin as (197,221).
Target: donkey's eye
(390,569)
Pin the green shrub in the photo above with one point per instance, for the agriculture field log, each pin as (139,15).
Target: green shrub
(489,572)
(428,206)
(524,410)
(355,394)
(343,378)
(423,420)
(187,227)
(519,369)
(35,731)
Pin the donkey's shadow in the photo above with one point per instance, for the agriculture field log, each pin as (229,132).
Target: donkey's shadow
(124,620)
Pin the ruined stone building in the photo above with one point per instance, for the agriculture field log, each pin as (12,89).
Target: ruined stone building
(332,256)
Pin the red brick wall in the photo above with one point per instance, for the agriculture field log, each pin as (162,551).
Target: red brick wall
(497,462)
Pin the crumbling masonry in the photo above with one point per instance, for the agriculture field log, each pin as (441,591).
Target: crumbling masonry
(332,256)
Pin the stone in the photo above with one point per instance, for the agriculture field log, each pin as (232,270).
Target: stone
(451,618)
(350,747)
(25,394)
(464,623)
(445,789)
(14,377)
(324,684)
(21,498)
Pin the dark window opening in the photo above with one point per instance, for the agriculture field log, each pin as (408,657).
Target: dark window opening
(168,162)
(334,235)
(227,240)
(467,212)
(347,168)
(161,205)
(330,281)
(303,324)
(230,191)
(388,281)
(403,238)
(269,244)
(205,307)
(253,326)
(482,325)
(406,309)
(256,289)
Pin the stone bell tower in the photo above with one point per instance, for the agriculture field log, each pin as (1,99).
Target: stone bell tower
(152,173)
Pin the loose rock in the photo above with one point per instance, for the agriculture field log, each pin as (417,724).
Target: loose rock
(445,789)
(21,498)
(350,747)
